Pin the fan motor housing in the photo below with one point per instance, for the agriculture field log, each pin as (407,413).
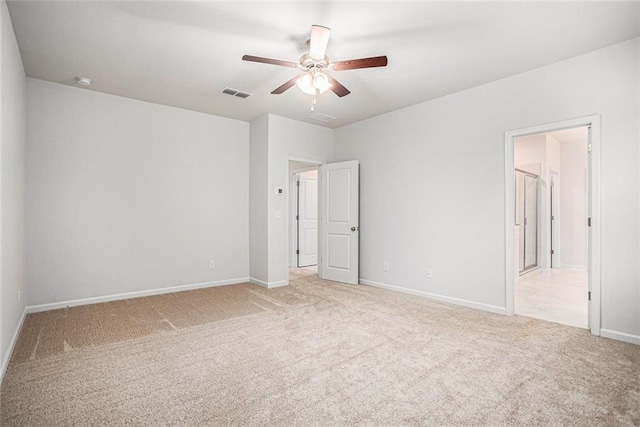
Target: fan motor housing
(307,62)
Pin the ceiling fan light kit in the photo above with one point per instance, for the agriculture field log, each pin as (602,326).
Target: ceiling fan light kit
(315,66)
(314,83)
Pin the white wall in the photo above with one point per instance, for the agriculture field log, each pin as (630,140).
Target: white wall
(573,204)
(258,224)
(529,150)
(289,140)
(553,154)
(126,196)
(274,141)
(12,149)
(432,181)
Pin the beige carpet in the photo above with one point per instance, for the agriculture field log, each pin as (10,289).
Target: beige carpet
(312,353)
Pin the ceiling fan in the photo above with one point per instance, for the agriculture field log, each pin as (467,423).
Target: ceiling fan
(315,64)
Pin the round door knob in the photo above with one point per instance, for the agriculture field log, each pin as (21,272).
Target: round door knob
(353,229)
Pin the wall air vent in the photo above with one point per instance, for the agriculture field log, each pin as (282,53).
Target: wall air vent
(235,92)
(322,117)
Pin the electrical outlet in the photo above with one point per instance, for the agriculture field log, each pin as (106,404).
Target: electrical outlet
(385,266)
(429,273)
(212,265)
(20,293)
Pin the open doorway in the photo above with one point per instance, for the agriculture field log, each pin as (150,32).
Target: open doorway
(303,215)
(551,193)
(552,224)
(324,217)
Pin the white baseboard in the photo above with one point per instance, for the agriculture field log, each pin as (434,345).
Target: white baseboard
(258,282)
(268,285)
(137,294)
(6,357)
(436,297)
(620,336)
(573,267)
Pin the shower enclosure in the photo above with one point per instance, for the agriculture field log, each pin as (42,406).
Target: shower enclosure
(527,219)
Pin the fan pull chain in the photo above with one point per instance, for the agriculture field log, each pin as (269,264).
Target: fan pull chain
(313,103)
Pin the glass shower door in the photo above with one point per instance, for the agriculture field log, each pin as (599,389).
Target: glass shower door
(531,222)
(527,218)
(520,192)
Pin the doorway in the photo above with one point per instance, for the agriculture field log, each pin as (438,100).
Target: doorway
(556,294)
(563,284)
(303,245)
(333,245)
(307,218)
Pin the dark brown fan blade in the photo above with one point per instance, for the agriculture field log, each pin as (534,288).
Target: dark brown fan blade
(337,87)
(352,64)
(285,86)
(269,61)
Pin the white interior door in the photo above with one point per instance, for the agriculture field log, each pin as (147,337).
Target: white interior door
(339,217)
(308,218)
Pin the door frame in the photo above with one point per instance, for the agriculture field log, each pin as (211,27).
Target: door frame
(294,242)
(554,219)
(593,196)
(292,203)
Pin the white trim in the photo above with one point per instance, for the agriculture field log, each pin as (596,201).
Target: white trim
(258,282)
(594,197)
(436,297)
(268,285)
(279,284)
(293,201)
(312,162)
(137,294)
(573,267)
(620,336)
(7,356)
(307,169)
(510,221)
(294,175)
(554,226)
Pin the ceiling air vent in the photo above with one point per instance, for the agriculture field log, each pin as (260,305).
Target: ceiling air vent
(235,92)
(322,117)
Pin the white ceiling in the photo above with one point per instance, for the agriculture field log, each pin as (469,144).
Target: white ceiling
(183,53)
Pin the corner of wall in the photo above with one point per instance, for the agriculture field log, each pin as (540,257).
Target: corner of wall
(258,201)
(12,159)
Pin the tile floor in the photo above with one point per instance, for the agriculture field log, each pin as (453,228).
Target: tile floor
(557,296)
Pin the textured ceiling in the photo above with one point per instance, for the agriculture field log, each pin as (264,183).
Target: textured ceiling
(183,53)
